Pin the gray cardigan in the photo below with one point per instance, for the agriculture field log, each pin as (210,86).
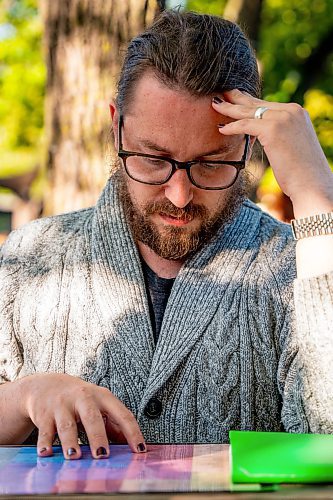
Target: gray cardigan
(235,350)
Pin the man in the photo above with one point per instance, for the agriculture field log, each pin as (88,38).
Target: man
(171,311)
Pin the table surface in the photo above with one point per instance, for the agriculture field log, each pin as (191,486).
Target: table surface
(201,469)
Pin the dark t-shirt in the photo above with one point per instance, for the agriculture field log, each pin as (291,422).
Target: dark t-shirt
(158,292)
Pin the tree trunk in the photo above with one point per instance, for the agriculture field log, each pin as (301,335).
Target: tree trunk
(247,14)
(84,40)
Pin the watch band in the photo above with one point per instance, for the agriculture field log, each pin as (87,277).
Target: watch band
(314,225)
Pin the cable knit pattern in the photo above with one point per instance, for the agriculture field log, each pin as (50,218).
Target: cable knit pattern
(233,351)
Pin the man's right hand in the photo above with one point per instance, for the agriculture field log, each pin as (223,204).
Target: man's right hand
(59,403)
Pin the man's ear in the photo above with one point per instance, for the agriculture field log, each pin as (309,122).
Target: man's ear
(114,117)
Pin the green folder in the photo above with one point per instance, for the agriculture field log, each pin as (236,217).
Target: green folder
(280,457)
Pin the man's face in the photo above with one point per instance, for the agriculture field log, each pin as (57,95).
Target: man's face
(176,218)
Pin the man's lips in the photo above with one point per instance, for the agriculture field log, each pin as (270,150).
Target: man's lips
(175,221)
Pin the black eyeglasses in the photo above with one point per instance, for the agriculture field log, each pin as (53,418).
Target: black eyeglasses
(156,170)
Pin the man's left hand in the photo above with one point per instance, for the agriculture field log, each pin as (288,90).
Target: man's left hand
(291,145)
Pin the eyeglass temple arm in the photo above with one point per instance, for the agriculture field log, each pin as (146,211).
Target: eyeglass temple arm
(120,124)
(247,142)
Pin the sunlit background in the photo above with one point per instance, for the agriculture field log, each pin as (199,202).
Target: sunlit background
(294,44)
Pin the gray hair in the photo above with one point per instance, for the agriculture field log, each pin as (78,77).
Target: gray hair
(199,53)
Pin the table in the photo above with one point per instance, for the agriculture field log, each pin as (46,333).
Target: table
(202,470)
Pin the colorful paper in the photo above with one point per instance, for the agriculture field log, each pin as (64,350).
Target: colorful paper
(166,468)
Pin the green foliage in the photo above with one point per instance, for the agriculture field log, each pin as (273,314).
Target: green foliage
(214,7)
(22,86)
(291,30)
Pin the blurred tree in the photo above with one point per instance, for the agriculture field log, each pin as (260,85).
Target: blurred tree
(22,83)
(247,14)
(83,44)
(294,50)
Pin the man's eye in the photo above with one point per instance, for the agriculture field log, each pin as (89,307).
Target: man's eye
(155,162)
(210,166)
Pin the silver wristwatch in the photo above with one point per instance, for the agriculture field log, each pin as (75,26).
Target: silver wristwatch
(314,225)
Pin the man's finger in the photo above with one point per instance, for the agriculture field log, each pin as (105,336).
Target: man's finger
(93,423)
(46,433)
(236,96)
(114,432)
(68,434)
(255,127)
(125,420)
(235,111)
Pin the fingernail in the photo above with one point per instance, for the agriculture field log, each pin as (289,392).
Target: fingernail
(71,451)
(217,100)
(42,450)
(141,447)
(101,451)
(221,125)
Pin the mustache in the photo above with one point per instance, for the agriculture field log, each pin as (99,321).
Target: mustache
(165,207)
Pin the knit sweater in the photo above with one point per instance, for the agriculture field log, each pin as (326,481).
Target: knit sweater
(243,344)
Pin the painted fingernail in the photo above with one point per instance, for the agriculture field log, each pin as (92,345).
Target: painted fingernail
(101,451)
(217,100)
(42,450)
(220,125)
(71,451)
(141,447)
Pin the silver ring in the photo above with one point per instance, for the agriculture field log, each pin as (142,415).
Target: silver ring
(259,112)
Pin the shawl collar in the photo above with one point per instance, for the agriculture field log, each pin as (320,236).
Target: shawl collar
(195,296)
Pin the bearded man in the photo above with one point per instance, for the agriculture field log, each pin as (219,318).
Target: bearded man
(176,310)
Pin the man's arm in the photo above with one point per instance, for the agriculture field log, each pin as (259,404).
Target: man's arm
(54,403)
(15,428)
(302,171)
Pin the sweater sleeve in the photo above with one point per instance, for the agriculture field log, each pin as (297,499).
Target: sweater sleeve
(11,358)
(314,321)
(306,364)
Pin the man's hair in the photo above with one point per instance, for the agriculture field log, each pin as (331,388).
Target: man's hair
(200,54)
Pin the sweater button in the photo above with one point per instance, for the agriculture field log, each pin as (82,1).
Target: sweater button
(153,408)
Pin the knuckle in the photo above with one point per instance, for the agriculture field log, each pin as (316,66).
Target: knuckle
(66,426)
(104,391)
(83,390)
(44,434)
(295,108)
(97,437)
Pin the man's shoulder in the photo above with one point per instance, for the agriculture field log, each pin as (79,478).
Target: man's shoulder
(275,245)
(46,235)
(269,227)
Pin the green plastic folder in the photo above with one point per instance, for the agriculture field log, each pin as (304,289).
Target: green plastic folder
(279,457)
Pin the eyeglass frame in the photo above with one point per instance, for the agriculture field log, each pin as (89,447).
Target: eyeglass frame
(180,165)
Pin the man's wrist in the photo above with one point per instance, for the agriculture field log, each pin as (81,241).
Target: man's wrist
(310,204)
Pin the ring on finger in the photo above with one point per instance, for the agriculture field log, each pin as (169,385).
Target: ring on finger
(259,112)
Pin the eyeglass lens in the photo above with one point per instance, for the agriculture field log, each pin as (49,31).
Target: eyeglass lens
(151,170)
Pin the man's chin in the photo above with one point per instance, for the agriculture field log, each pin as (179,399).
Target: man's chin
(172,242)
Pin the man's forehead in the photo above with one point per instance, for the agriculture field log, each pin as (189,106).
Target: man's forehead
(151,97)
(157,114)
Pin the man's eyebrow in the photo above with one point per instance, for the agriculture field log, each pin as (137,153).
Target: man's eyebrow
(225,148)
(151,145)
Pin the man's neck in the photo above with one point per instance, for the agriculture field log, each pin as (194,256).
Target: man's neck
(164,268)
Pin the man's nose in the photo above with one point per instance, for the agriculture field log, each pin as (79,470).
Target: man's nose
(179,189)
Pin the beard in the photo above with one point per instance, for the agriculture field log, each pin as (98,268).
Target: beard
(179,243)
